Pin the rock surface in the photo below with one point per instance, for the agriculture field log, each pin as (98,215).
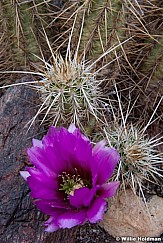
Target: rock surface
(129,216)
(20,220)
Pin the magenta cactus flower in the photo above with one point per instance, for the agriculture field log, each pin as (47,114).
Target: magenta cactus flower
(69,178)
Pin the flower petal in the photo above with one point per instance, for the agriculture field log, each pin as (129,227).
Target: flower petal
(82,197)
(24,174)
(37,143)
(77,152)
(76,148)
(50,158)
(105,160)
(89,197)
(51,136)
(83,154)
(72,128)
(109,189)
(54,159)
(45,207)
(100,145)
(45,193)
(71,219)
(51,224)
(57,136)
(42,179)
(96,211)
(38,158)
(43,187)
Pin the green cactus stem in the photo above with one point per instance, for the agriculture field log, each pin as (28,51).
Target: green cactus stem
(103,26)
(19,29)
(153,64)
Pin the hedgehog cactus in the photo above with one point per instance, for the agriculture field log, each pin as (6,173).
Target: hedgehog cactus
(18,25)
(102,27)
(14,30)
(69,92)
(139,158)
(94,27)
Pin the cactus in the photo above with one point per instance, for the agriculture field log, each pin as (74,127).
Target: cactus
(140,161)
(11,14)
(140,67)
(153,69)
(69,92)
(102,26)
(93,27)
(19,27)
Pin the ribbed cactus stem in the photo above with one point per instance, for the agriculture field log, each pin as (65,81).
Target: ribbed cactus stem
(29,33)
(19,29)
(153,63)
(102,25)
(10,12)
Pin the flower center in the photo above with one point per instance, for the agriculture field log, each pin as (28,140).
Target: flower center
(70,183)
